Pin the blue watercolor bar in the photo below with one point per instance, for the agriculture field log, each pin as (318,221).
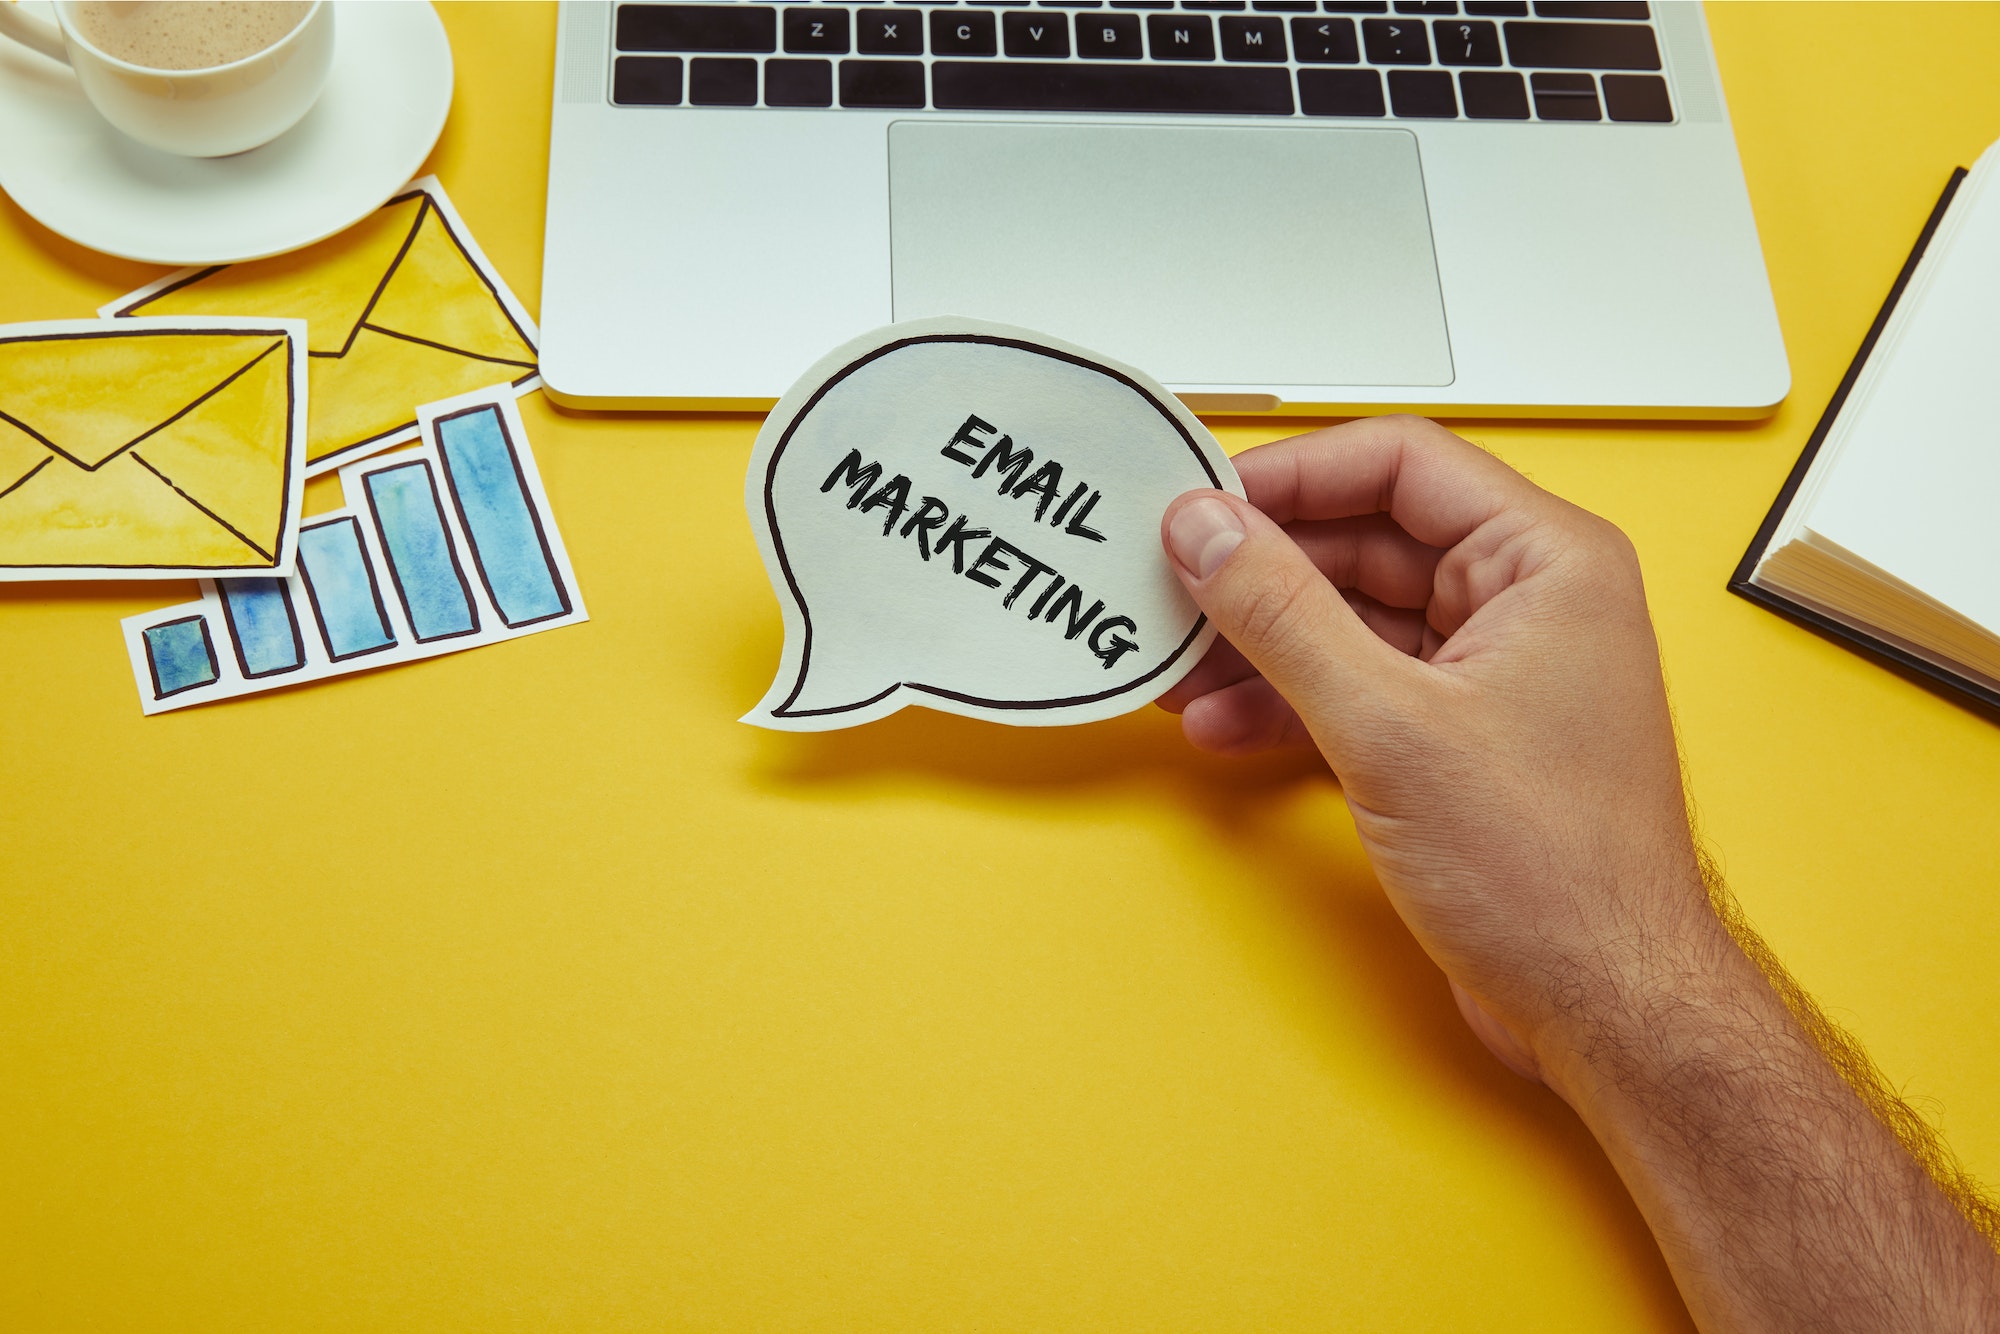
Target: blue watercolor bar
(180,655)
(342,587)
(508,545)
(422,563)
(266,630)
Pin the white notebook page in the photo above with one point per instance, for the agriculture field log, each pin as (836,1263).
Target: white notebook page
(1916,491)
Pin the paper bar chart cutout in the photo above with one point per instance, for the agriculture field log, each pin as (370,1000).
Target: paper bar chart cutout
(444,547)
(402,308)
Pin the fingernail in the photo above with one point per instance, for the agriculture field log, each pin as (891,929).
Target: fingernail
(1202,535)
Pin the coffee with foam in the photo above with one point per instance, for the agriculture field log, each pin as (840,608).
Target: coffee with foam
(186,34)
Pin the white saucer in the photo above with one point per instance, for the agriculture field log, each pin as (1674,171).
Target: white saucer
(381,111)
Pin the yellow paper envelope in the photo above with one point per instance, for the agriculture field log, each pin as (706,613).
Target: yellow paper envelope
(167,450)
(400,309)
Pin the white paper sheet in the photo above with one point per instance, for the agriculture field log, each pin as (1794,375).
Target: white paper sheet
(1916,489)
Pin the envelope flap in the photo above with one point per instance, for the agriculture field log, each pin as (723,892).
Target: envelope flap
(20,454)
(228,454)
(91,395)
(330,285)
(438,295)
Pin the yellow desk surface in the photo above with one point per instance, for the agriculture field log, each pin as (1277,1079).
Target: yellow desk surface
(527,989)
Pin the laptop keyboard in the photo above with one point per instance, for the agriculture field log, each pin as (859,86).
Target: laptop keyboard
(1557,60)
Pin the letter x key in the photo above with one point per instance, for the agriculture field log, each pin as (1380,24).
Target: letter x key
(885,32)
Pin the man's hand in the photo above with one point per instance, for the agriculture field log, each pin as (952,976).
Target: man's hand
(1473,657)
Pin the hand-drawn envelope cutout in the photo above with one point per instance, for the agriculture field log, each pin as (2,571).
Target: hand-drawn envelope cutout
(150,449)
(402,308)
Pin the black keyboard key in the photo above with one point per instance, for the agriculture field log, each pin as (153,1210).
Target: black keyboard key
(1565,97)
(890,32)
(1325,41)
(1142,4)
(1466,42)
(1493,96)
(1581,46)
(1034,86)
(1426,7)
(1422,92)
(1252,39)
(1636,97)
(1497,9)
(1334,7)
(715,82)
(798,83)
(1395,42)
(1109,37)
(1591,9)
(697,28)
(881,83)
(1180,36)
(646,81)
(1340,92)
(962,32)
(1220,6)
(1036,34)
(816,31)
(1285,6)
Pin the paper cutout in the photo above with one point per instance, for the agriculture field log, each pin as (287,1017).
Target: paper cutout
(967,516)
(402,308)
(151,449)
(444,547)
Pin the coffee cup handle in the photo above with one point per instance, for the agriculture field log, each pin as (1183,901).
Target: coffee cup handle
(29,31)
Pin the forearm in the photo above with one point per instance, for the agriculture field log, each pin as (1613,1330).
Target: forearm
(1780,1200)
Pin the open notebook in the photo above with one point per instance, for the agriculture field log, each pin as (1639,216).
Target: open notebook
(1887,532)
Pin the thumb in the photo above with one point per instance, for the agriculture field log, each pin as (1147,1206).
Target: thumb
(1269,600)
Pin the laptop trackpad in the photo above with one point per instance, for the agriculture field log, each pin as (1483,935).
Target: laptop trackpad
(1254,255)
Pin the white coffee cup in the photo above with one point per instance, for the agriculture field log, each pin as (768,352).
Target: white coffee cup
(208,112)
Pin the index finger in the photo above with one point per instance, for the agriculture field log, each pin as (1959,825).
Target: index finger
(1437,487)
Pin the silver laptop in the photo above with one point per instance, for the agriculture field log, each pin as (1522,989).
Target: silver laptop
(1270,205)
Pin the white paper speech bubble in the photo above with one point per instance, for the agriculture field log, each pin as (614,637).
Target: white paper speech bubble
(967,516)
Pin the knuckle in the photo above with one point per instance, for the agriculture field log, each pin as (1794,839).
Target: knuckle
(1271,608)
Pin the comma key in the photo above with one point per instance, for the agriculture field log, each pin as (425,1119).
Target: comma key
(1325,41)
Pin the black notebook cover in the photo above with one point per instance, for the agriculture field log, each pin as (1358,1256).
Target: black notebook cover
(1739,582)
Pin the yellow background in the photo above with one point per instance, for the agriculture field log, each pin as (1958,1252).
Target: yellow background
(526,989)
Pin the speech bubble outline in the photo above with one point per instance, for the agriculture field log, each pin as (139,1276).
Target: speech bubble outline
(781,707)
